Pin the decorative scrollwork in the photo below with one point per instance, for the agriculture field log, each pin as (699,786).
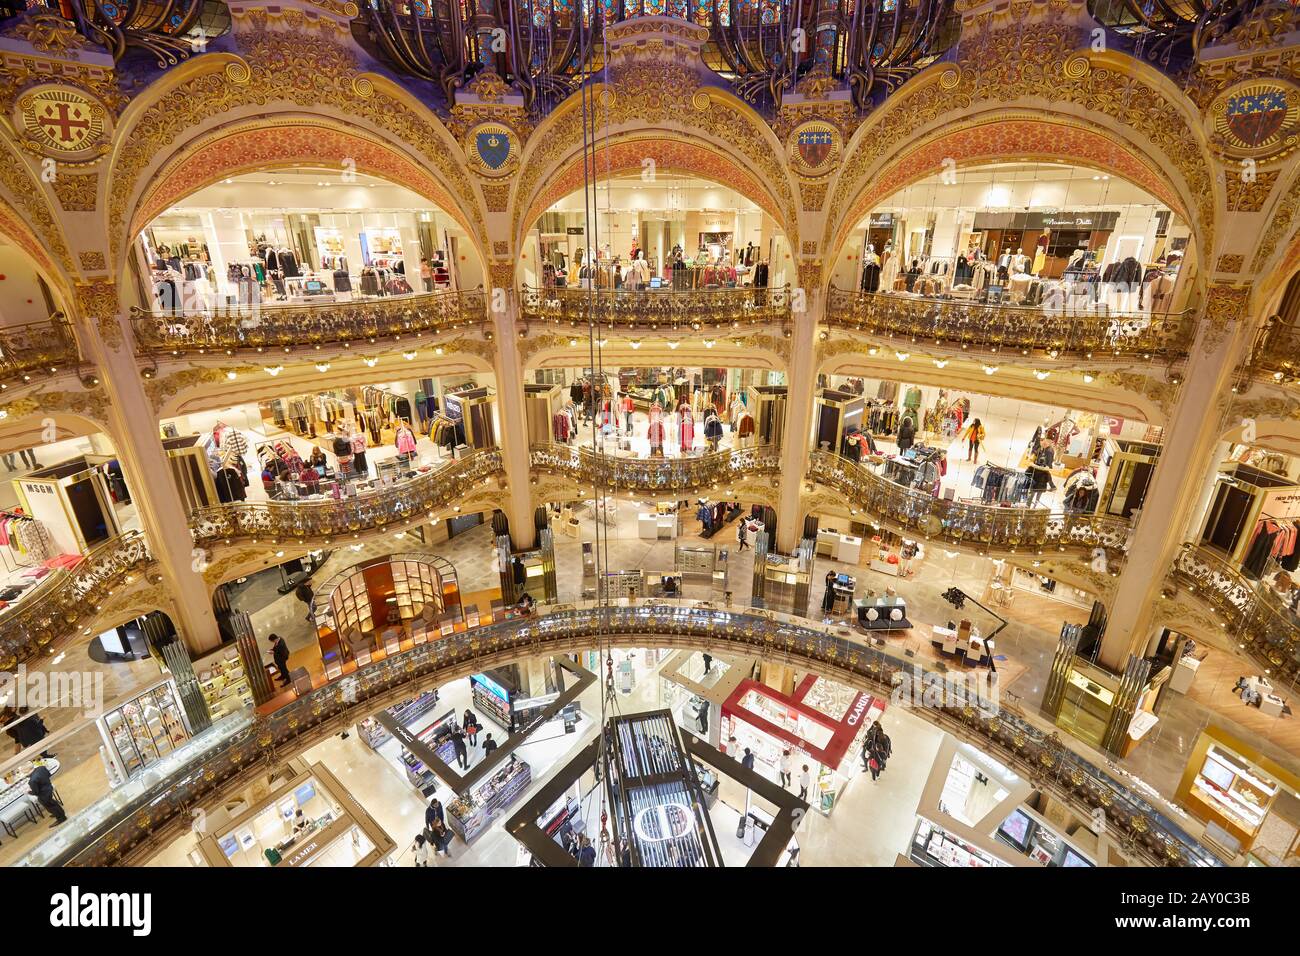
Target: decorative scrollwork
(656,475)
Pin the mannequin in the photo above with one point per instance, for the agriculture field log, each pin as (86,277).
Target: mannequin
(1040,251)
(1019,262)
(871,270)
(888,265)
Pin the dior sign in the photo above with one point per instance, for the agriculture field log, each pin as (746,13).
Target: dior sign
(665,821)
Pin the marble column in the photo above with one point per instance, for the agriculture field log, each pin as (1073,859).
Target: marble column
(797,438)
(145,466)
(1192,441)
(508,368)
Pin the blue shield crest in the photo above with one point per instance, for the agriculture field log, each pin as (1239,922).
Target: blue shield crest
(493,148)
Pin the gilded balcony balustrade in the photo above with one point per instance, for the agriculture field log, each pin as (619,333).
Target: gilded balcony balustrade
(59,605)
(1252,612)
(313,519)
(271,325)
(145,816)
(658,310)
(36,348)
(1051,330)
(655,475)
(1276,355)
(984,527)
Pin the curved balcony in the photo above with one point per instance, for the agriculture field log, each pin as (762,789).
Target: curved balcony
(1257,620)
(318,519)
(1276,354)
(270,325)
(131,824)
(68,598)
(655,475)
(36,348)
(1045,331)
(658,310)
(984,527)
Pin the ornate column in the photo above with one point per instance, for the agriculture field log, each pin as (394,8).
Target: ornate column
(797,438)
(1191,441)
(507,365)
(148,473)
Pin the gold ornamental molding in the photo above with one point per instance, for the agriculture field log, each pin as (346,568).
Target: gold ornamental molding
(97,302)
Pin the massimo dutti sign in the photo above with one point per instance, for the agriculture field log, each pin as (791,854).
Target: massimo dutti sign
(1095,221)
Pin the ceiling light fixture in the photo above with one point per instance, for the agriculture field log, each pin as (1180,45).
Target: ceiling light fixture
(940,363)
(410,356)
(232,375)
(322,367)
(990,369)
(370,362)
(1040,374)
(902,356)
(274,370)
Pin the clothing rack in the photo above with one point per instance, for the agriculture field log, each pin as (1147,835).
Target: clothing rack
(27,542)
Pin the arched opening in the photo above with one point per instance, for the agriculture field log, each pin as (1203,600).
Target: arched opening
(308,234)
(1056,236)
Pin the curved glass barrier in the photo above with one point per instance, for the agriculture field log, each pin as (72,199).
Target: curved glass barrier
(64,600)
(263,325)
(162,807)
(979,526)
(1267,629)
(655,474)
(325,517)
(1276,355)
(36,348)
(1055,329)
(662,310)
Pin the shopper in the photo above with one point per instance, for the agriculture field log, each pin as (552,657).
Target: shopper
(489,745)
(708,663)
(740,535)
(974,435)
(304,593)
(426,275)
(805,781)
(785,768)
(433,814)
(906,435)
(828,599)
(462,754)
(747,761)
(43,789)
(280,654)
(470,723)
(586,853)
(441,838)
(25,732)
(421,850)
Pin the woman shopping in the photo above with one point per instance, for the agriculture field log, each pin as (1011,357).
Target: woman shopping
(974,435)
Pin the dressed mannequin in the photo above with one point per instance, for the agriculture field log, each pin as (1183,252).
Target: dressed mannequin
(1040,251)
(888,265)
(1019,262)
(870,270)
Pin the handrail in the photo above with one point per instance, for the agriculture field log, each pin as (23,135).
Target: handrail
(231,754)
(656,474)
(59,605)
(974,525)
(271,324)
(1258,621)
(329,517)
(36,347)
(658,310)
(1049,330)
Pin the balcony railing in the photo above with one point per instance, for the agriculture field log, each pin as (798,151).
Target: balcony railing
(654,475)
(235,752)
(413,500)
(986,527)
(1257,620)
(658,310)
(1276,355)
(60,605)
(36,348)
(271,325)
(1047,331)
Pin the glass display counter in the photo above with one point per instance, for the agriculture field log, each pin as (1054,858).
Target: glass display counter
(142,731)
(469,816)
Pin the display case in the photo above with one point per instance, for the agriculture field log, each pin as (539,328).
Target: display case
(437,737)
(1230,784)
(491,699)
(407,712)
(138,733)
(223,681)
(933,846)
(469,816)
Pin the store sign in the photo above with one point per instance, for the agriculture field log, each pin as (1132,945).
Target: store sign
(1093,221)
(574,230)
(859,708)
(317,843)
(542,701)
(666,821)
(882,221)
